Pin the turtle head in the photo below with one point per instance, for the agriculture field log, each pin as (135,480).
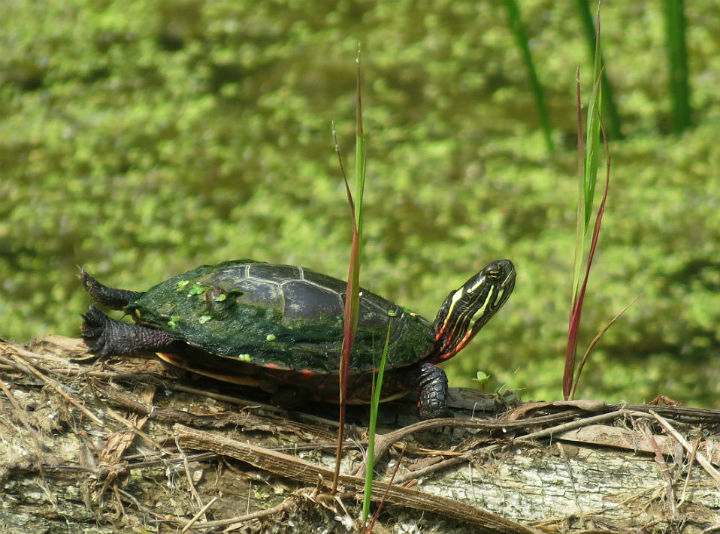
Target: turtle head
(466,310)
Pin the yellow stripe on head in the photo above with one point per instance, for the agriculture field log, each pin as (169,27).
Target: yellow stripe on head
(480,313)
(455,298)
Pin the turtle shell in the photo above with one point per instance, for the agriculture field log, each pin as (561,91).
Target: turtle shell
(281,317)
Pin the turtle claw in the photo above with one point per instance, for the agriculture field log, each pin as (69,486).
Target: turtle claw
(105,336)
(94,323)
(435,413)
(95,333)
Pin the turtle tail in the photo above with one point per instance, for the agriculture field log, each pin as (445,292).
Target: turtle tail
(115,299)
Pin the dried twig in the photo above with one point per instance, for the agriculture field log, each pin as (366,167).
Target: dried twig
(201,513)
(135,429)
(549,432)
(385,441)
(232,522)
(191,484)
(699,456)
(691,462)
(665,471)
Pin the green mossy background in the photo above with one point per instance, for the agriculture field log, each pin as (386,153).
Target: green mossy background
(142,138)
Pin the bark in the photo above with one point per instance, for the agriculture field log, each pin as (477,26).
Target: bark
(133,445)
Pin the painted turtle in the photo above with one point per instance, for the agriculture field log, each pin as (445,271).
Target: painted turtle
(267,325)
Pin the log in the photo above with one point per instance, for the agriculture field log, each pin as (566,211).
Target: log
(133,445)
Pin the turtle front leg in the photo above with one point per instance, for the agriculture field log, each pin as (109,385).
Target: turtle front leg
(106,336)
(433,385)
(115,299)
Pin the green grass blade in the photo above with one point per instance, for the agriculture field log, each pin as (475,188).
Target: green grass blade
(677,64)
(611,116)
(521,38)
(587,169)
(374,407)
(580,216)
(592,143)
(359,151)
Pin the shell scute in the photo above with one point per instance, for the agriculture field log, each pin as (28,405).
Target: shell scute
(307,301)
(282,316)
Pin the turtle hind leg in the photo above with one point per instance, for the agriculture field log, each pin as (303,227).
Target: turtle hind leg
(105,336)
(433,385)
(115,299)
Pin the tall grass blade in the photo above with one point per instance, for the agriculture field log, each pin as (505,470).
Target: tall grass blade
(587,169)
(350,316)
(677,64)
(352,292)
(580,227)
(359,152)
(580,230)
(521,38)
(592,144)
(374,406)
(570,377)
(610,114)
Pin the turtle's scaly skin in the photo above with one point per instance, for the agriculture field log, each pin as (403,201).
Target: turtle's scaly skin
(268,325)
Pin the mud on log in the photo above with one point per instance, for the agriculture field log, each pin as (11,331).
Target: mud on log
(131,444)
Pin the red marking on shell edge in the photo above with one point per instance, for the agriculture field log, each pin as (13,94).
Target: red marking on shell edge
(306,373)
(271,366)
